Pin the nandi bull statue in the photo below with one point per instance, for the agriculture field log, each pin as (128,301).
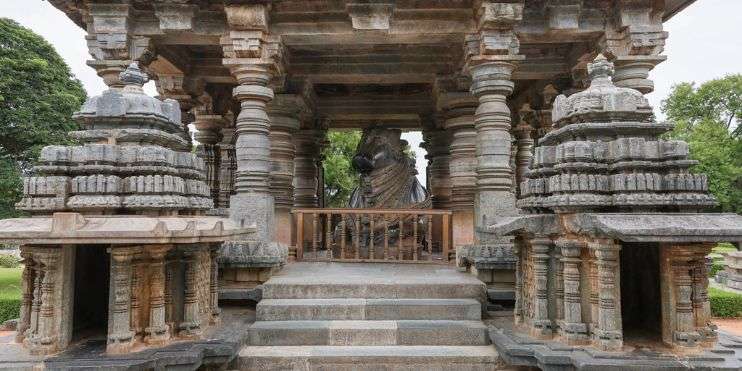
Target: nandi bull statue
(387,181)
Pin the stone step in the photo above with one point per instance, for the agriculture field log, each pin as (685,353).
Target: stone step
(368,309)
(352,333)
(368,358)
(402,290)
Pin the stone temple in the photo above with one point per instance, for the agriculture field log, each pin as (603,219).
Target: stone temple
(558,228)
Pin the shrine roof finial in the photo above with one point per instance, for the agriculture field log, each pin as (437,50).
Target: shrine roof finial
(600,67)
(133,75)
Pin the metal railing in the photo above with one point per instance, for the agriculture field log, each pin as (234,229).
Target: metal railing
(372,235)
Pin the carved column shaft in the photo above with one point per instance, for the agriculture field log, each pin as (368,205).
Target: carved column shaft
(572,327)
(120,335)
(518,307)
(683,287)
(158,330)
(253,202)
(437,144)
(491,85)
(27,294)
(541,322)
(191,325)
(208,135)
(227,167)
(214,283)
(701,304)
(47,335)
(308,151)
(524,144)
(609,334)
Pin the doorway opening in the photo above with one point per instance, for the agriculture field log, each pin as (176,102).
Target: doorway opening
(90,307)
(641,303)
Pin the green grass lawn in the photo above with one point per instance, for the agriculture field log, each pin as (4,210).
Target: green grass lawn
(10,293)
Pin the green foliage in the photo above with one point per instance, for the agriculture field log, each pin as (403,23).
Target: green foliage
(8,261)
(38,95)
(724,303)
(708,118)
(716,267)
(340,177)
(10,293)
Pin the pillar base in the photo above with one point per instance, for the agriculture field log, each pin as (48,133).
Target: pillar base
(254,209)
(157,335)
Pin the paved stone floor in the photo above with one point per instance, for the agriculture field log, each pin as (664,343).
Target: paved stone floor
(219,343)
(376,273)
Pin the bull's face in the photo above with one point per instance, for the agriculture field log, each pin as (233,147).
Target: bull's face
(377,149)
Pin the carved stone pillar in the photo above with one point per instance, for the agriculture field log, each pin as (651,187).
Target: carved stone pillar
(491,57)
(609,334)
(35,303)
(437,144)
(492,84)
(136,294)
(684,333)
(284,113)
(701,304)
(572,328)
(208,135)
(308,151)
(541,325)
(158,331)
(214,283)
(110,42)
(183,89)
(459,122)
(190,327)
(635,38)
(558,284)
(594,293)
(120,335)
(544,114)
(27,294)
(519,276)
(47,332)
(524,142)
(227,167)
(254,58)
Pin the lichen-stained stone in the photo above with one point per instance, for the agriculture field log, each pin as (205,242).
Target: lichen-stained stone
(132,159)
(612,240)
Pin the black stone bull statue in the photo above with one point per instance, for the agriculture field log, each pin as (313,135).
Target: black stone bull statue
(388,180)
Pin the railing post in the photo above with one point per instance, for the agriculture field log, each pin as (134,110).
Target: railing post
(343,236)
(386,237)
(371,252)
(299,235)
(314,235)
(445,235)
(328,235)
(401,236)
(429,237)
(414,237)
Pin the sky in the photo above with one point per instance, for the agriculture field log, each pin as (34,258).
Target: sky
(704,44)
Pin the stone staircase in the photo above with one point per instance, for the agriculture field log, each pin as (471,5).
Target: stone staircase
(333,316)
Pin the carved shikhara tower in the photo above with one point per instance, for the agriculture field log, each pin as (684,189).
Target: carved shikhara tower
(119,243)
(263,81)
(612,246)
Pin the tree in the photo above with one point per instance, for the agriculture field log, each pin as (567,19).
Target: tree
(340,177)
(718,100)
(708,118)
(38,95)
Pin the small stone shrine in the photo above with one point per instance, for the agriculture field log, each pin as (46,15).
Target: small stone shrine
(118,244)
(611,251)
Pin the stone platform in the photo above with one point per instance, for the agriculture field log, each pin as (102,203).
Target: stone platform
(369,317)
